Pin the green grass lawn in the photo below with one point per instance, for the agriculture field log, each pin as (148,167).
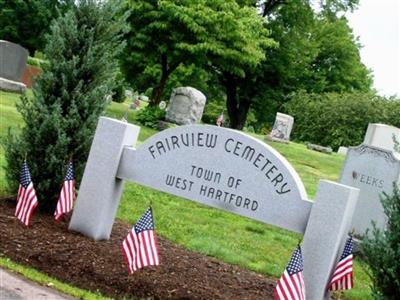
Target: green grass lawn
(237,240)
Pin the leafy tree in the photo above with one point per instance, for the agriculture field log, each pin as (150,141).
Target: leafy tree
(26,22)
(310,56)
(219,34)
(381,251)
(68,98)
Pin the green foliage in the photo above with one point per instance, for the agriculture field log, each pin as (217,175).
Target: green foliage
(382,251)
(26,22)
(150,116)
(68,97)
(37,62)
(213,110)
(166,34)
(316,53)
(335,120)
(118,93)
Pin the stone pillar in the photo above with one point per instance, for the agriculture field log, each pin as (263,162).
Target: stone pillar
(100,190)
(325,235)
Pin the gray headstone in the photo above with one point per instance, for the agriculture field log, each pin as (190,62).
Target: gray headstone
(12,60)
(282,128)
(185,106)
(373,171)
(319,148)
(381,136)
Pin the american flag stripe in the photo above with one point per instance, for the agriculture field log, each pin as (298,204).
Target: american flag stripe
(26,197)
(67,194)
(27,194)
(342,278)
(140,246)
(26,205)
(291,284)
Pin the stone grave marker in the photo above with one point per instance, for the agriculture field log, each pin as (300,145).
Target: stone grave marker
(221,168)
(381,136)
(282,128)
(12,64)
(185,106)
(319,148)
(342,150)
(372,170)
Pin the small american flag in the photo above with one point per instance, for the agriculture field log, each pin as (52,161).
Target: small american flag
(220,119)
(140,246)
(26,199)
(291,284)
(342,278)
(67,194)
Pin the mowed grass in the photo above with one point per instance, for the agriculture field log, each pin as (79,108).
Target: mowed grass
(237,240)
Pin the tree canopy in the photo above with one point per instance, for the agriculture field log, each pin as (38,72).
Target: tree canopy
(212,34)
(26,22)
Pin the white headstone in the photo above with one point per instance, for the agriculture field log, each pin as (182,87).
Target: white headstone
(185,106)
(373,171)
(342,150)
(282,128)
(381,136)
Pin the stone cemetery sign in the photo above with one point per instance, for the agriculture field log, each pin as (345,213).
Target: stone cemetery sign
(222,168)
(282,128)
(381,136)
(185,106)
(12,63)
(373,171)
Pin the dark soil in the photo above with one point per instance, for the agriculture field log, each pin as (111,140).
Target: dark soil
(48,246)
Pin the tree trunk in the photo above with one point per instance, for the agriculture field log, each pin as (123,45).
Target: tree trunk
(237,108)
(158,90)
(166,70)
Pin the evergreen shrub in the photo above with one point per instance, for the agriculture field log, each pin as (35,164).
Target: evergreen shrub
(150,116)
(381,250)
(68,98)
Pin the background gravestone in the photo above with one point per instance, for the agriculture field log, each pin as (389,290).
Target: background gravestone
(282,128)
(12,63)
(381,136)
(373,171)
(185,106)
(342,150)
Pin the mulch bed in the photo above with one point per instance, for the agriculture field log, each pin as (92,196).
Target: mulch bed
(48,246)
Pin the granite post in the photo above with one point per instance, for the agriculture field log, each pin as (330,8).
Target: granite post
(326,232)
(100,190)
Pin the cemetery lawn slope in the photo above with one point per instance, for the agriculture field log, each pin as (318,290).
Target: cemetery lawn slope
(231,238)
